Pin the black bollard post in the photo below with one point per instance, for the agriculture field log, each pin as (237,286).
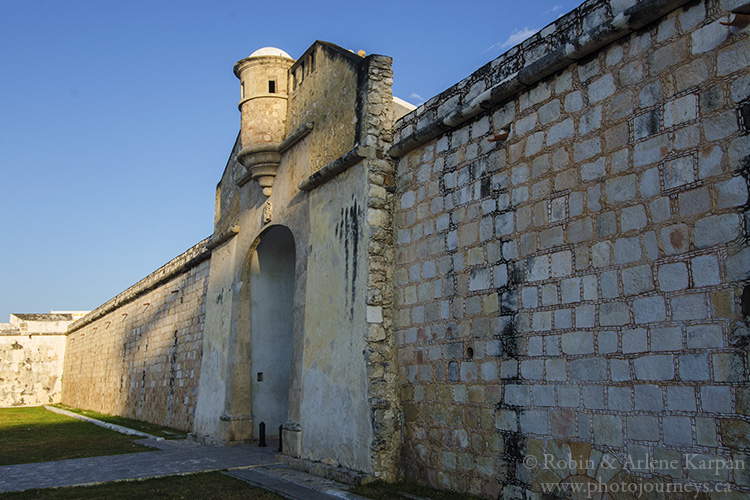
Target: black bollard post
(281,442)
(262,432)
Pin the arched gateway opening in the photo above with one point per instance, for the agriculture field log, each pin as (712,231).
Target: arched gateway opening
(271,325)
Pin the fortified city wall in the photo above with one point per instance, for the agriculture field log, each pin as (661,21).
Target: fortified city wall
(138,355)
(575,288)
(554,265)
(32,348)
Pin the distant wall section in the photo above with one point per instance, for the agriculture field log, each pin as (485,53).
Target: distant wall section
(32,348)
(139,354)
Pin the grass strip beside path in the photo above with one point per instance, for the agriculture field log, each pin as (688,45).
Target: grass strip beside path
(202,486)
(380,490)
(33,434)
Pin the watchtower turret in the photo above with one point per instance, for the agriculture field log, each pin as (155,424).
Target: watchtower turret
(263,105)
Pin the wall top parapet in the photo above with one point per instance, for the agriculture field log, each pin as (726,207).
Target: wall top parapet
(584,30)
(187,260)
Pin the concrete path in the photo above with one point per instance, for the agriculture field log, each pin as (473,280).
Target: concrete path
(248,462)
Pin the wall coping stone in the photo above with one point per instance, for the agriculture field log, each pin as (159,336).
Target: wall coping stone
(23,333)
(180,264)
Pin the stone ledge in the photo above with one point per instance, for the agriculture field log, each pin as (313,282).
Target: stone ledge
(24,333)
(347,160)
(218,239)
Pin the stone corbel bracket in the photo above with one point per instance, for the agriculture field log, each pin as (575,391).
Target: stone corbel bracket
(262,162)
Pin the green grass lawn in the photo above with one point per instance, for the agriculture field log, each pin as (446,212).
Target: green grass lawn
(380,490)
(139,425)
(208,486)
(37,435)
(34,434)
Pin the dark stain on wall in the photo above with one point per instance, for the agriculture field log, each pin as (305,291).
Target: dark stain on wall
(348,230)
(172,376)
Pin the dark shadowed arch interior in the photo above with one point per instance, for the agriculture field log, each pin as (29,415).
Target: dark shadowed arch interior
(271,326)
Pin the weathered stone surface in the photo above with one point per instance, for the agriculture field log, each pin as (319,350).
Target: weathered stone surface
(573,231)
(656,367)
(32,351)
(717,229)
(147,345)
(735,433)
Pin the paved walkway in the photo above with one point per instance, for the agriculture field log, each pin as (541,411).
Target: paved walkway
(248,462)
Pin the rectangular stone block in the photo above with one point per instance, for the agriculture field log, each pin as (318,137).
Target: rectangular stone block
(518,395)
(556,370)
(643,428)
(479,279)
(608,430)
(534,422)
(593,397)
(704,336)
(578,342)
(637,280)
(666,339)
(584,316)
(649,309)
(673,277)
(677,431)
(681,399)
(648,397)
(688,307)
(614,313)
(627,250)
(634,341)
(568,395)
(717,230)
(656,367)
(588,369)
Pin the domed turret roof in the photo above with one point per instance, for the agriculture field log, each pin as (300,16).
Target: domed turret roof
(270,51)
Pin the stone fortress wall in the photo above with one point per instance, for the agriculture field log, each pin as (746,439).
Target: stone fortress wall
(554,264)
(573,289)
(32,349)
(138,355)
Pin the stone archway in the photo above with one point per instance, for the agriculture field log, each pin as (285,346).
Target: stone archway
(271,290)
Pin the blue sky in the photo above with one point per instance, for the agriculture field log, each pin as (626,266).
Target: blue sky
(117,118)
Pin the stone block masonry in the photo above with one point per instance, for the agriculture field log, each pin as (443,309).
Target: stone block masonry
(539,275)
(32,349)
(574,289)
(139,354)
(30,369)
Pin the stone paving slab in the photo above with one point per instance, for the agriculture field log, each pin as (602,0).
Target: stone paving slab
(172,459)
